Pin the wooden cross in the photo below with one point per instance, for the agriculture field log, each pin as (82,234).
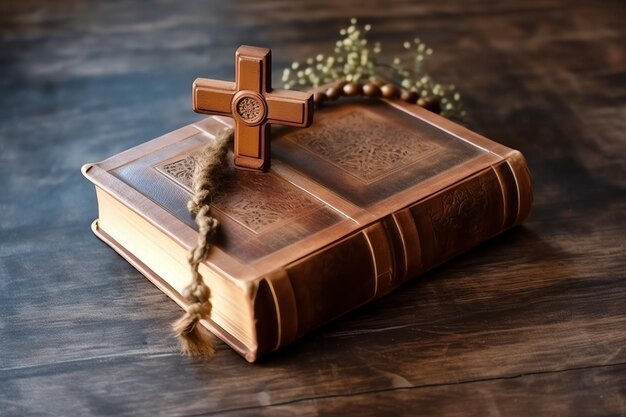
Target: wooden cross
(253,105)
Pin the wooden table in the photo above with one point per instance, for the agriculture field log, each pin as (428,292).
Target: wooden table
(531,323)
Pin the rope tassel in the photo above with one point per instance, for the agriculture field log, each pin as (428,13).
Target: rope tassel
(210,163)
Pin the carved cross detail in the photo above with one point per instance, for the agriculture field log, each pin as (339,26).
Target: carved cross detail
(253,105)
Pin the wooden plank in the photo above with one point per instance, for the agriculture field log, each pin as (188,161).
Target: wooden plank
(585,392)
(530,323)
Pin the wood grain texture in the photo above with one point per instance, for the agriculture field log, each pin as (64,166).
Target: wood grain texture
(531,323)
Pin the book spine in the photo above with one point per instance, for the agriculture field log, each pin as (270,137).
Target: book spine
(328,283)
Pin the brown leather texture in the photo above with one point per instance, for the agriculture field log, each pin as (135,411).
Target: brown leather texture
(376,260)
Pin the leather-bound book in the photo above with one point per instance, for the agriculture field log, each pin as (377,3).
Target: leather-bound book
(373,194)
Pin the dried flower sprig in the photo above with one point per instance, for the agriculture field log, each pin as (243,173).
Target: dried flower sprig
(355,60)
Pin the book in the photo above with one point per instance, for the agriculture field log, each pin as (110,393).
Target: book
(373,194)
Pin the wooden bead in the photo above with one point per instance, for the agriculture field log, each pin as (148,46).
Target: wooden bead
(371,90)
(319,97)
(352,89)
(390,90)
(334,92)
(432,104)
(409,96)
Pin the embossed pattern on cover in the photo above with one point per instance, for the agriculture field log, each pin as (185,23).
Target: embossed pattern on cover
(369,151)
(242,196)
(381,149)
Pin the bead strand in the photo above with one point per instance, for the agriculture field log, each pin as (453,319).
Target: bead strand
(374,89)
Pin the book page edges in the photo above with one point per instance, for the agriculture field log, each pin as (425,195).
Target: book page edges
(249,353)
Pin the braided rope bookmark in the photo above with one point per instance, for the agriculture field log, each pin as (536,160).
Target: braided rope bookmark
(210,164)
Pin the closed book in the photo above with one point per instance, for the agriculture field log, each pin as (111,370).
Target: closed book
(373,194)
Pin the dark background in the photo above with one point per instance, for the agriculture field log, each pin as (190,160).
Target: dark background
(530,323)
